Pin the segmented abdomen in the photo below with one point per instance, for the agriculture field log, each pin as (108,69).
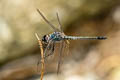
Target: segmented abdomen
(84,38)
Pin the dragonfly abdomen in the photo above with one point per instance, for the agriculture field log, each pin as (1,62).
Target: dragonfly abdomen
(84,38)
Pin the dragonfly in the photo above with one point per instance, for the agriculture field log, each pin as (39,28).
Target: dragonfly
(58,36)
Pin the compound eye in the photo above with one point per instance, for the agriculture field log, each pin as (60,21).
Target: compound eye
(44,38)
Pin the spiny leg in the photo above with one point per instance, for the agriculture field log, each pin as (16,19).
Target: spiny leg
(51,51)
(49,43)
(60,56)
(47,20)
(42,57)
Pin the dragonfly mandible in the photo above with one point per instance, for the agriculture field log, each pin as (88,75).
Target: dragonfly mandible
(58,36)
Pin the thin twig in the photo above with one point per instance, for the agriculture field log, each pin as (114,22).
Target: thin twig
(42,57)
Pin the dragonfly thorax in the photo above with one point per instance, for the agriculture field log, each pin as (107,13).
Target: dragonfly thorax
(55,36)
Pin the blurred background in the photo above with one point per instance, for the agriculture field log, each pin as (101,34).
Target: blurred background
(86,60)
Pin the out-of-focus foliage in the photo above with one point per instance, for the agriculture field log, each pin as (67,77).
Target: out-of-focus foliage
(92,60)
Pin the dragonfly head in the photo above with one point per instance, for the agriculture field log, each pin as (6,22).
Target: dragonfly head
(45,38)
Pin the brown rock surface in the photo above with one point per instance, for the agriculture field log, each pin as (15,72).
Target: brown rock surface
(19,21)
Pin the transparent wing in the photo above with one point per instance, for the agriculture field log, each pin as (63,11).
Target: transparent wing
(60,56)
(67,44)
(45,19)
(60,26)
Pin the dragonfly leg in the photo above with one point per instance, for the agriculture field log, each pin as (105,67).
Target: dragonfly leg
(51,51)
